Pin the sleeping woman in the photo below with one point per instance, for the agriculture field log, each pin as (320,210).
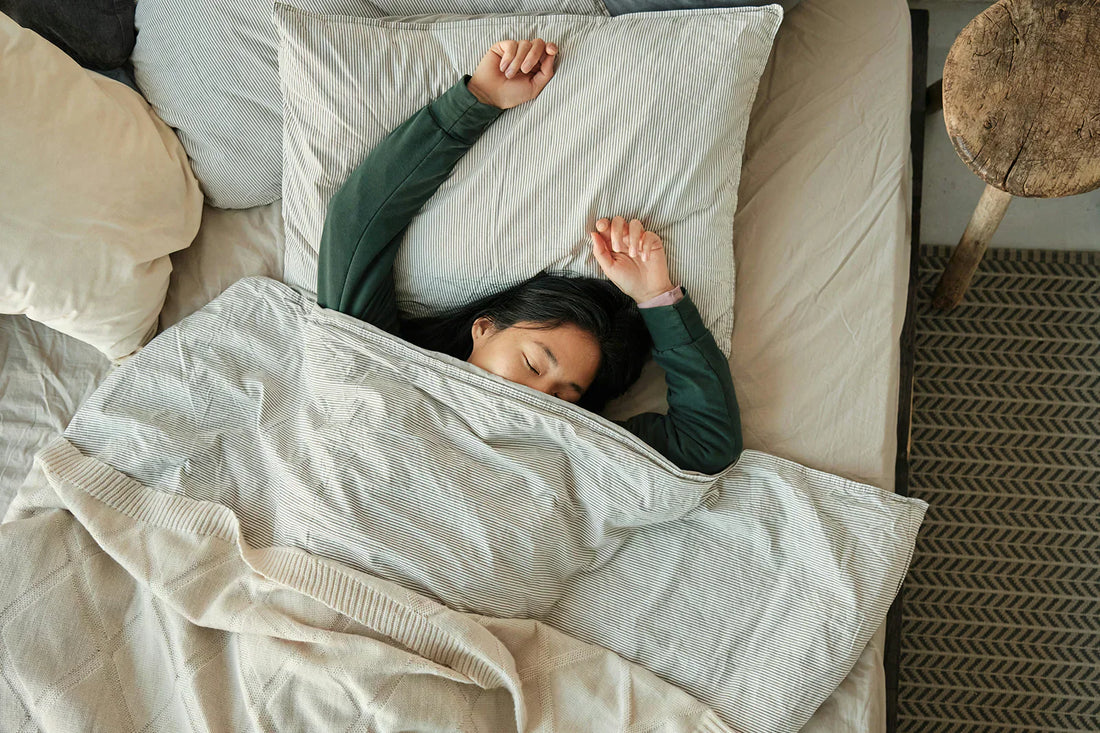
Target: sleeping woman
(582,340)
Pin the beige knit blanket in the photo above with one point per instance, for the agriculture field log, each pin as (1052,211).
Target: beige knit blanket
(139,610)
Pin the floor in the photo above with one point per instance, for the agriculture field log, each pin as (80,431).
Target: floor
(1001,609)
(1019,685)
(951,190)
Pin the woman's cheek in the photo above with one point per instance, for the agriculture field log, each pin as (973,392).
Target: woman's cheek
(496,363)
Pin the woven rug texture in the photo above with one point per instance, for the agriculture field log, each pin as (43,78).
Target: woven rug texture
(1001,619)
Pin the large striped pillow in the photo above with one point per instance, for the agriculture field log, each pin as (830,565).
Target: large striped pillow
(210,69)
(645,117)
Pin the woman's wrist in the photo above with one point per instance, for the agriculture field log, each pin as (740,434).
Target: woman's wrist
(478,94)
(654,294)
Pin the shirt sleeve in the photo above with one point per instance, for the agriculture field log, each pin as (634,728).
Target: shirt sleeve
(702,429)
(368,216)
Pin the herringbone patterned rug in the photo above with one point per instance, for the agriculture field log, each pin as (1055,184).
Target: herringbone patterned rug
(1001,617)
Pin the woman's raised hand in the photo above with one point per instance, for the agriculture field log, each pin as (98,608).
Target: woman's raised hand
(634,259)
(513,72)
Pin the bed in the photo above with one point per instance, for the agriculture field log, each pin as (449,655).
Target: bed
(821,247)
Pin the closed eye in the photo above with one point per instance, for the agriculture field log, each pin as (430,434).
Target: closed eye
(536,371)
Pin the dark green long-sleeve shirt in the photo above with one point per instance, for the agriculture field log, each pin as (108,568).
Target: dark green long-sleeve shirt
(366,222)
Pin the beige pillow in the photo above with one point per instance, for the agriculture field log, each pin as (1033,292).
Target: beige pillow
(95,192)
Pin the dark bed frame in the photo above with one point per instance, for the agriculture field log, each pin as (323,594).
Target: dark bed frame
(892,651)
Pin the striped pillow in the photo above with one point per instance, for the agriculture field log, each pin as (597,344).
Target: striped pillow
(210,69)
(645,117)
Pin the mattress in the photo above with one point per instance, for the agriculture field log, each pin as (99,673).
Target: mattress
(821,246)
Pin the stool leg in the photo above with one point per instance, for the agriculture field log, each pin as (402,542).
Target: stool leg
(970,249)
(933,98)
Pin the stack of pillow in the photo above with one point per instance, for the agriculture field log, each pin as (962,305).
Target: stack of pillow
(95,193)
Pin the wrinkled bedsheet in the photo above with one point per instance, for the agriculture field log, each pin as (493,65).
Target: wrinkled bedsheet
(44,376)
(754,590)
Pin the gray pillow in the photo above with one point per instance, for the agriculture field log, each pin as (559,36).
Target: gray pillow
(97,34)
(621,7)
(210,70)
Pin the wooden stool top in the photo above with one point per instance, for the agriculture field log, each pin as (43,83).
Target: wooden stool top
(1021,96)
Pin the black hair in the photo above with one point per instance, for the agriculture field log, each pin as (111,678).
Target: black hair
(592,304)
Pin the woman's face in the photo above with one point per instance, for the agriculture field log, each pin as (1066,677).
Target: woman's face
(560,361)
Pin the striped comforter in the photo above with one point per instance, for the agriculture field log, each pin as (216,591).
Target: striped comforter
(753,590)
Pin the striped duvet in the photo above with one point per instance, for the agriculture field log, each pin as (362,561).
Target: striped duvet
(754,590)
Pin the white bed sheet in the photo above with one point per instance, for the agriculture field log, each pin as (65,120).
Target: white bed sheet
(822,251)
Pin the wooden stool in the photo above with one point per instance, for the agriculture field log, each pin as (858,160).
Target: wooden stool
(1021,102)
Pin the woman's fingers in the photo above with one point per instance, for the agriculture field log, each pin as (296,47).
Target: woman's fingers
(546,70)
(507,53)
(618,241)
(630,234)
(628,238)
(636,232)
(522,50)
(533,56)
(650,243)
(601,253)
(524,56)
